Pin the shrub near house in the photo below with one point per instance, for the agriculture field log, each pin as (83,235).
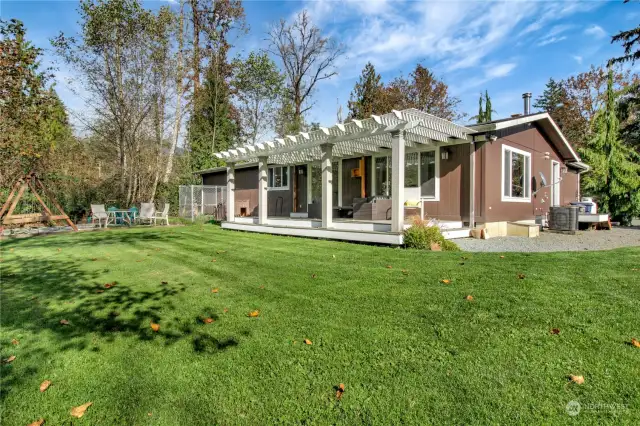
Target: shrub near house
(422,234)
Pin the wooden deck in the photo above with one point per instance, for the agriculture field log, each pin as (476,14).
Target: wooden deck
(378,232)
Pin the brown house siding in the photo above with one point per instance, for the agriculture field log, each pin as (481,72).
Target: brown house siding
(453,203)
(529,140)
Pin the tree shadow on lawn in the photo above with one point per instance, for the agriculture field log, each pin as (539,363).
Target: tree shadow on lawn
(38,293)
(102,237)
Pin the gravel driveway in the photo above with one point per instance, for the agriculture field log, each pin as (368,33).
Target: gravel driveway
(549,241)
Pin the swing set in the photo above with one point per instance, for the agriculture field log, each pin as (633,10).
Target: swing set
(28,209)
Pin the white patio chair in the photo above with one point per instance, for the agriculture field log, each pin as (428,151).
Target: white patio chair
(163,215)
(99,213)
(147,213)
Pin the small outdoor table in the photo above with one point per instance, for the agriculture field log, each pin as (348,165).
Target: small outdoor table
(128,217)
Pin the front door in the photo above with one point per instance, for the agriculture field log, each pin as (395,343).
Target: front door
(555,183)
(301,189)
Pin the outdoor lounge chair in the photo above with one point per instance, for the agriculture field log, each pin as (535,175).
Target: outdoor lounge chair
(99,213)
(147,213)
(163,215)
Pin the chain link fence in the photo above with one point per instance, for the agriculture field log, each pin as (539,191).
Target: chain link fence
(203,200)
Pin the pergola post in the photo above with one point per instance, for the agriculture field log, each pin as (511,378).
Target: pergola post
(472,185)
(231,192)
(327,185)
(397,181)
(262,190)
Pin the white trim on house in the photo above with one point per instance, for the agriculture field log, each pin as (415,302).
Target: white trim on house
(526,180)
(555,184)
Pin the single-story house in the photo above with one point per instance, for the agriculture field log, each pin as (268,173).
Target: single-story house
(342,182)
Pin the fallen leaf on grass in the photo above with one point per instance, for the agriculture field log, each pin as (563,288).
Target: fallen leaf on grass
(15,342)
(59,250)
(208,320)
(221,251)
(314,275)
(521,276)
(9,360)
(94,259)
(469,298)
(79,411)
(405,272)
(445,281)
(253,314)
(155,327)
(308,342)
(333,255)
(578,380)
(45,385)
(109,285)
(215,290)
(164,282)
(555,331)
(64,322)
(38,422)
(139,260)
(501,257)
(149,414)
(225,310)
(100,291)
(213,260)
(157,249)
(635,343)
(340,391)
(261,287)
(463,257)
(389,266)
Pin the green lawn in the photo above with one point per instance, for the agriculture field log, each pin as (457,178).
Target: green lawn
(408,348)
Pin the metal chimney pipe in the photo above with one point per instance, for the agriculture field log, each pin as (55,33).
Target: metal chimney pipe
(527,103)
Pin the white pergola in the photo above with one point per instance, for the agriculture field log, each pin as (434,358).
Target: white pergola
(396,131)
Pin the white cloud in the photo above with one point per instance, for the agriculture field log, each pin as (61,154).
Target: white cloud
(578,59)
(498,71)
(550,40)
(596,31)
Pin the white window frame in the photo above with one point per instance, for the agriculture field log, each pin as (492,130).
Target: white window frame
(279,188)
(435,149)
(527,156)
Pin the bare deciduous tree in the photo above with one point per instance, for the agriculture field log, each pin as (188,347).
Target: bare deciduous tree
(307,58)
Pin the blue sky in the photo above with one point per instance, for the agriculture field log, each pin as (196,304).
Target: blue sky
(507,47)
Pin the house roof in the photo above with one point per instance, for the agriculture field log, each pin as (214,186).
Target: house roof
(364,136)
(550,128)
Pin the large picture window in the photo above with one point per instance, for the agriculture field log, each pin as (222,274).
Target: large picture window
(419,172)
(516,175)
(278,177)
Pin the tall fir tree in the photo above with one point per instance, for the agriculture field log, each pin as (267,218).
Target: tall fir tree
(615,176)
(365,96)
(213,124)
(552,97)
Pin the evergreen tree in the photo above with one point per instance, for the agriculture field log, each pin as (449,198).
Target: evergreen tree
(487,108)
(366,94)
(615,175)
(213,125)
(480,117)
(552,97)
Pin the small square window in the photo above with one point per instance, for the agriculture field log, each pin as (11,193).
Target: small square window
(278,177)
